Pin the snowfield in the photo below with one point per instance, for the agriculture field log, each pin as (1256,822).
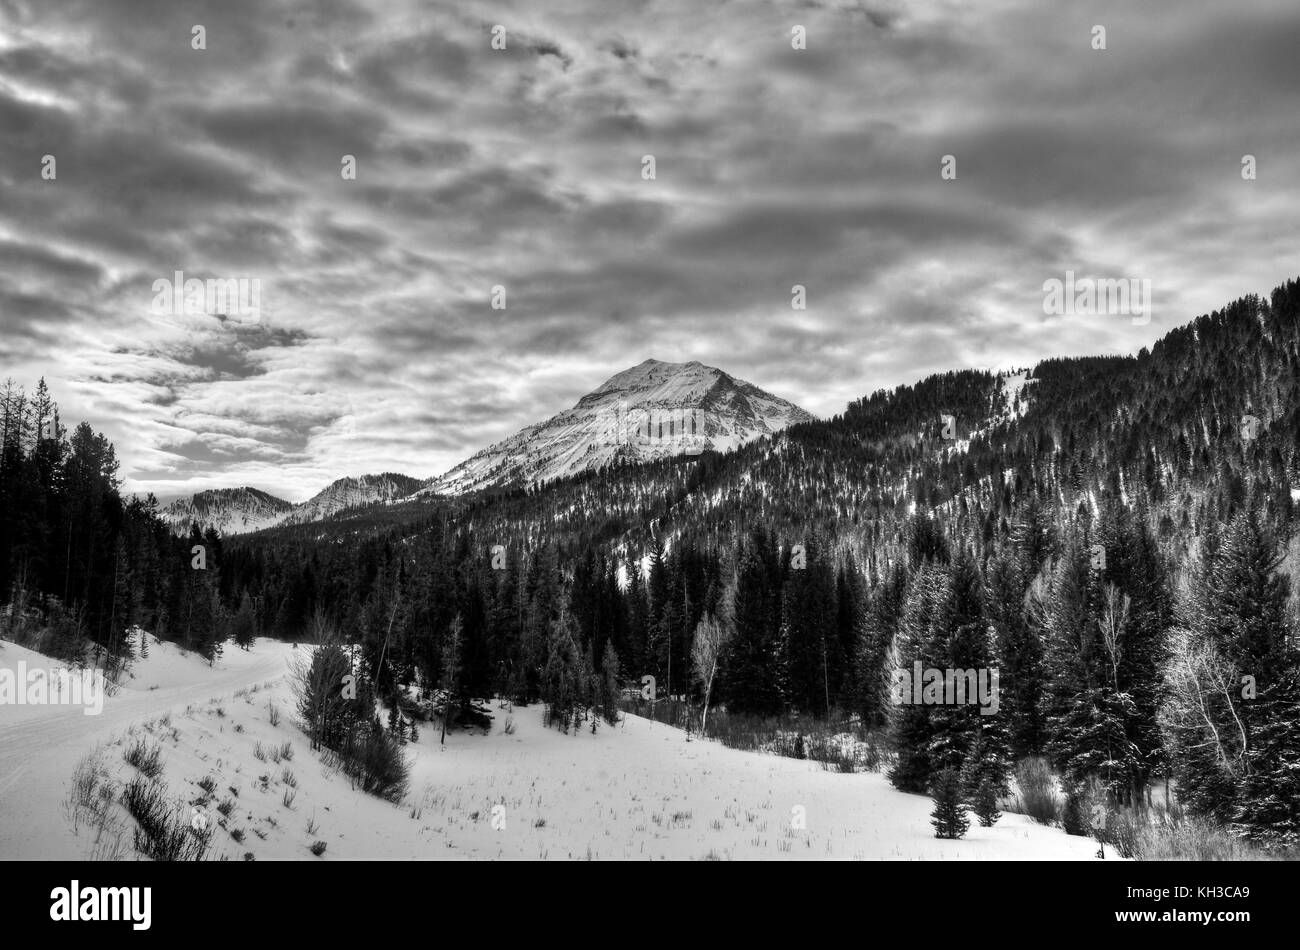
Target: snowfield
(636,791)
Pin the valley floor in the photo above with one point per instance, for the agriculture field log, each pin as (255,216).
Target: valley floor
(637,791)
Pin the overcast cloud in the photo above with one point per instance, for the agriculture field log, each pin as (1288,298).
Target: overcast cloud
(377,348)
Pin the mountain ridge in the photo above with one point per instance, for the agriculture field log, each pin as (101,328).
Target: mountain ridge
(652,410)
(246,509)
(1160,430)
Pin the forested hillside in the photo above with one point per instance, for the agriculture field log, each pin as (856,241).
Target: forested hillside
(80,564)
(1110,533)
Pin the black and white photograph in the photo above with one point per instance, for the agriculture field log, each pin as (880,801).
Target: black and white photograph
(650,430)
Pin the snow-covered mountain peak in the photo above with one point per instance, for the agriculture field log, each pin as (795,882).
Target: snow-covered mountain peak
(656,380)
(353,493)
(649,411)
(228,510)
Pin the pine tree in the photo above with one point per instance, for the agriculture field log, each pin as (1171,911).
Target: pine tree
(871,689)
(566,678)
(911,724)
(1135,614)
(660,621)
(1269,811)
(638,619)
(986,761)
(1085,711)
(396,723)
(243,624)
(590,690)
(122,607)
(986,804)
(324,705)
(961,640)
(851,602)
(808,638)
(755,677)
(610,688)
(949,815)
(451,676)
(1020,654)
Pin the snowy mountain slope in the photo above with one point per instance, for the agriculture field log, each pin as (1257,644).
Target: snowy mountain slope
(352,493)
(228,510)
(242,510)
(650,411)
(1015,389)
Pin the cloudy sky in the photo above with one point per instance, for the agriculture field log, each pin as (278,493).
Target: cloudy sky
(376,348)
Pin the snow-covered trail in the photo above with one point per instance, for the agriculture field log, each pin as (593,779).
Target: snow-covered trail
(40,746)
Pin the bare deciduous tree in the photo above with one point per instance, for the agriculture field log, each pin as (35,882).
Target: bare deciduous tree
(1200,711)
(706,652)
(1113,620)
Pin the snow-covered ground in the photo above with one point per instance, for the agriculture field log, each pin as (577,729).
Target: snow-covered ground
(40,746)
(635,791)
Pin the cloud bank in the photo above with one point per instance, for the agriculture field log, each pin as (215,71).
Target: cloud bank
(376,347)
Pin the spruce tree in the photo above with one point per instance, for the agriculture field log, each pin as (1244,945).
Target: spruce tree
(961,640)
(1019,650)
(808,637)
(1269,809)
(1087,710)
(563,683)
(911,723)
(610,688)
(871,686)
(986,803)
(451,676)
(755,680)
(243,625)
(949,815)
